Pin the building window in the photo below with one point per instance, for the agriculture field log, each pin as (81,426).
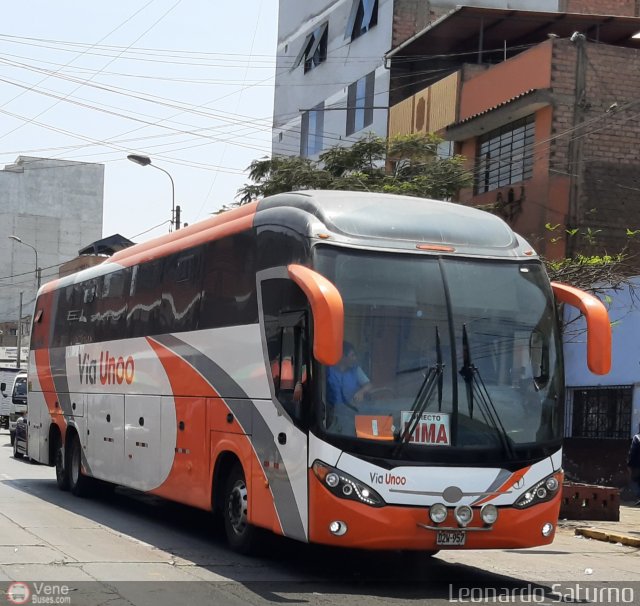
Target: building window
(311,135)
(602,412)
(364,15)
(505,155)
(360,104)
(314,48)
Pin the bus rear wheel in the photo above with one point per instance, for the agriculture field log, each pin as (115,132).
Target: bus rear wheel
(79,484)
(62,470)
(241,535)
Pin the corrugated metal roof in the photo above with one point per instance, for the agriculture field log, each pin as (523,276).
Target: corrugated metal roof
(490,109)
(462,29)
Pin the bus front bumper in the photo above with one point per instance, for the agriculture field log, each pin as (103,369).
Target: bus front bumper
(399,527)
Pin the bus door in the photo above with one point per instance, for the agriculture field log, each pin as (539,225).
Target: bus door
(284,322)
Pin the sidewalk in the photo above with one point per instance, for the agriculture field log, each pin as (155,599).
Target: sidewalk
(626,531)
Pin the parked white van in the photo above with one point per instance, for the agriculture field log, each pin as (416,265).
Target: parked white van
(7,377)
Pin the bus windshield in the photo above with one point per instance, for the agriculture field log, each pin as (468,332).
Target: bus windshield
(442,356)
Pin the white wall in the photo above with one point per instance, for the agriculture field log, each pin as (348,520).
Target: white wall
(624,313)
(54,205)
(346,62)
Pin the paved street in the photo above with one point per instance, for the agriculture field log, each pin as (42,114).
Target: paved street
(129,549)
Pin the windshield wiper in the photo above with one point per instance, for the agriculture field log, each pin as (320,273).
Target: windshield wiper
(432,378)
(475,386)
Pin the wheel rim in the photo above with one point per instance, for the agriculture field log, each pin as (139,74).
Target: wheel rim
(237,507)
(75,464)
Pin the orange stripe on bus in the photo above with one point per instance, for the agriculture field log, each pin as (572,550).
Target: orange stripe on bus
(201,237)
(204,418)
(189,478)
(41,331)
(514,478)
(247,210)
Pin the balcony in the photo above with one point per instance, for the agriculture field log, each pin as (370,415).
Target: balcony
(428,111)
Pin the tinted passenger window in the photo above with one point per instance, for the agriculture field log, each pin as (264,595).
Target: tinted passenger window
(229,290)
(110,320)
(145,299)
(181,291)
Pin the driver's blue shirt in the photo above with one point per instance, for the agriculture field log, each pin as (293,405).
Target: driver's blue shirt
(342,385)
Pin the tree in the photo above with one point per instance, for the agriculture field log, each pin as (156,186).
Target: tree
(410,165)
(407,164)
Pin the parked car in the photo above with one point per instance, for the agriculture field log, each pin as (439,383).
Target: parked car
(20,439)
(18,402)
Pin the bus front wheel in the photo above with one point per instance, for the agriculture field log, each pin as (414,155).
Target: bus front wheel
(240,534)
(79,483)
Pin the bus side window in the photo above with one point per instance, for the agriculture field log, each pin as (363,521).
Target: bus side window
(145,299)
(288,362)
(181,291)
(111,309)
(286,332)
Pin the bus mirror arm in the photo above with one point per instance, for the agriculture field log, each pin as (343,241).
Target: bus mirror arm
(328,313)
(598,325)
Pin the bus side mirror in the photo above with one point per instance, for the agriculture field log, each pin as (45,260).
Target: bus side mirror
(3,388)
(328,313)
(598,325)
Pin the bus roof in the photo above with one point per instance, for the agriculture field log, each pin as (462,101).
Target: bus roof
(350,218)
(393,221)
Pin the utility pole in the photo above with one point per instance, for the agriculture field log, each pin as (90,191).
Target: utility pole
(178,216)
(575,149)
(19,334)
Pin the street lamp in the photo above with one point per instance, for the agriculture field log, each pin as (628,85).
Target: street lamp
(16,239)
(146,161)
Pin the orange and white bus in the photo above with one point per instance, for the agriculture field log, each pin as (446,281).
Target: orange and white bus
(206,366)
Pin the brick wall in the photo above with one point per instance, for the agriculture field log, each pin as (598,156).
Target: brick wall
(596,461)
(624,8)
(411,17)
(608,167)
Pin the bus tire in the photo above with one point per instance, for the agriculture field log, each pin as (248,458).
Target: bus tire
(241,535)
(62,470)
(79,484)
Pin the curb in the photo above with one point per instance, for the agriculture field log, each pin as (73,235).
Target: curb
(611,537)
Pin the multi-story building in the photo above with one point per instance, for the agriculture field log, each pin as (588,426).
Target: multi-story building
(332,81)
(543,106)
(54,207)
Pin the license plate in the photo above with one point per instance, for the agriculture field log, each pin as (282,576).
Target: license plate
(451,537)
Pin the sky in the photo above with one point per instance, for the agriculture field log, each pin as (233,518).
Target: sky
(188,83)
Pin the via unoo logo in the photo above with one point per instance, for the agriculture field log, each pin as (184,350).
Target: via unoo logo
(113,371)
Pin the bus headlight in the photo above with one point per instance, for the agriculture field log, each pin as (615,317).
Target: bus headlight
(463,514)
(438,513)
(543,491)
(489,514)
(343,485)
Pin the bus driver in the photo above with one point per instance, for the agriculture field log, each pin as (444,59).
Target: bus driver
(347,385)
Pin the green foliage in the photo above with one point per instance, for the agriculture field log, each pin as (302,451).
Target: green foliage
(407,165)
